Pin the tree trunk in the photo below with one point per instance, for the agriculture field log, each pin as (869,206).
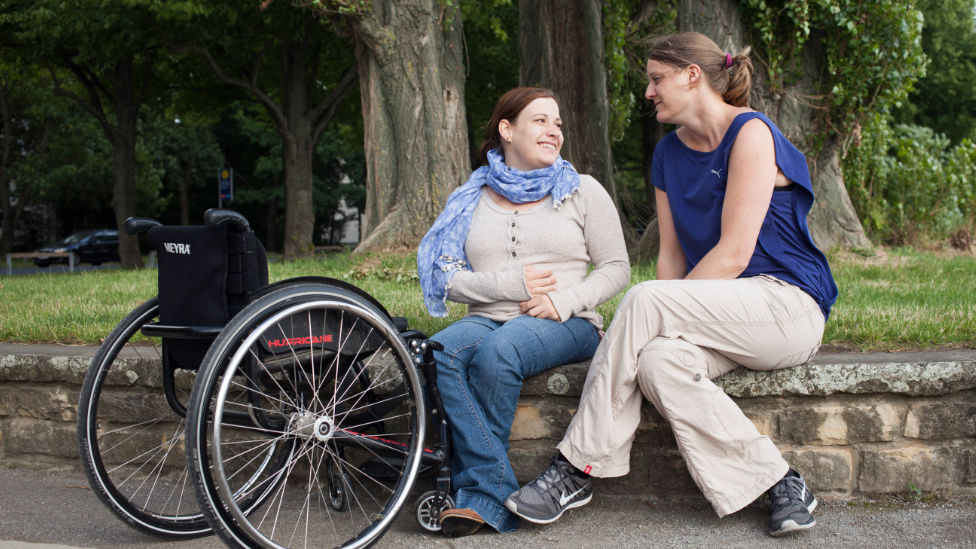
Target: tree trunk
(298,146)
(833,221)
(561,48)
(186,179)
(299,211)
(123,140)
(9,218)
(301,116)
(411,72)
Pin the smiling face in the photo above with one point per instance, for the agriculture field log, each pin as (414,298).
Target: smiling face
(665,84)
(533,140)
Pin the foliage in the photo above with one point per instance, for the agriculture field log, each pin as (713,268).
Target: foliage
(873,52)
(628,25)
(909,185)
(945,98)
(629,28)
(491,42)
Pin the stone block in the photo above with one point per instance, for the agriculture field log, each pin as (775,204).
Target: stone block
(825,469)
(67,369)
(562,381)
(835,424)
(36,436)
(943,419)
(537,418)
(968,466)
(529,458)
(873,423)
(895,470)
(858,374)
(40,401)
(764,420)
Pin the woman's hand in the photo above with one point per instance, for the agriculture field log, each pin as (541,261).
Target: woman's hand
(540,306)
(538,282)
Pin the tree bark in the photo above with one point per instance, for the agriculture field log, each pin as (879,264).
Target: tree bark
(411,71)
(124,160)
(561,48)
(833,221)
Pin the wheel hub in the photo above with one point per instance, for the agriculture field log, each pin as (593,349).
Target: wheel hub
(309,425)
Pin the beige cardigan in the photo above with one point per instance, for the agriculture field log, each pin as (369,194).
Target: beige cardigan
(584,230)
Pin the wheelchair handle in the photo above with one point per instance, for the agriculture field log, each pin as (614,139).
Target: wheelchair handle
(214,217)
(136,225)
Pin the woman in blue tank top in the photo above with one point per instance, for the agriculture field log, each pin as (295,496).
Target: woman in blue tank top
(739,283)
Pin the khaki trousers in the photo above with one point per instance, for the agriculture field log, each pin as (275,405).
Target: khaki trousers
(668,340)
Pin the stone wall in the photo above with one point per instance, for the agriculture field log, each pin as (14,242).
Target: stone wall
(853,424)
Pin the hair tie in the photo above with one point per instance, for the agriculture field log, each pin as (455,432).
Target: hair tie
(728,61)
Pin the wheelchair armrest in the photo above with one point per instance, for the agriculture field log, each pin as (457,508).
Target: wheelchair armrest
(214,217)
(136,225)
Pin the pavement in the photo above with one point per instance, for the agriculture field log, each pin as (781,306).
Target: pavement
(57,510)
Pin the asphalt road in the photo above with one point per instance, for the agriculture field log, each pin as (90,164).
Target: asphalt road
(57,510)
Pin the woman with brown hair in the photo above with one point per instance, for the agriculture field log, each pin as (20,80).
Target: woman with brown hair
(515,243)
(739,283)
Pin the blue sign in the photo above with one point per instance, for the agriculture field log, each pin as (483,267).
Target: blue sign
(225,184)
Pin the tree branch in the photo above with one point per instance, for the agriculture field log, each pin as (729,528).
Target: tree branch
(273,108)
(323,113)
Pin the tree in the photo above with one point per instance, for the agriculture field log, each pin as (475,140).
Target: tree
(309,74)
(945,98)
(561,48)
(20,136)
(110,73)
(410,59)
(821,68)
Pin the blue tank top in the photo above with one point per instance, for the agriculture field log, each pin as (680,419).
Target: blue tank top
(695,183)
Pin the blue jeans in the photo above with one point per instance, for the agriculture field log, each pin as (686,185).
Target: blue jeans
(479,374)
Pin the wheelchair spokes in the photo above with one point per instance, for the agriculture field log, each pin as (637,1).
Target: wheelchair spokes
(331,380)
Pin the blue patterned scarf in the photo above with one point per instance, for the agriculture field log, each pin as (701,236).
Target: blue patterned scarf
(441,252)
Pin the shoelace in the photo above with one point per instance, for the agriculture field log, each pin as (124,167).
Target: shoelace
(786,490)
(551,475)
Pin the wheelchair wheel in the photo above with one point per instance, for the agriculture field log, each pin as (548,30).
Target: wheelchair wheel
(130,440)
(322,371)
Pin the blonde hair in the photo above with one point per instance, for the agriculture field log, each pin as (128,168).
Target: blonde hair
(729,75)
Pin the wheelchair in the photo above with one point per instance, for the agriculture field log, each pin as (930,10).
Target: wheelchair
(299,413)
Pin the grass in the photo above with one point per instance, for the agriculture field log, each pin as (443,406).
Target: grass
(889,300)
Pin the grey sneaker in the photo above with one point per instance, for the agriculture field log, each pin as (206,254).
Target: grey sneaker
(792,504)
(546,498)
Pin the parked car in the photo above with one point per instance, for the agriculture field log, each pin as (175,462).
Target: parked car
(93,247)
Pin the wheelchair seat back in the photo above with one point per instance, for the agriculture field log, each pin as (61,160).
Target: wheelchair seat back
(205,276)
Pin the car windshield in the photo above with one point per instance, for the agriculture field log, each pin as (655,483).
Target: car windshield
(73,239)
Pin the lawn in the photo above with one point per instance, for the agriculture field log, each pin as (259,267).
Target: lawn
(896,299)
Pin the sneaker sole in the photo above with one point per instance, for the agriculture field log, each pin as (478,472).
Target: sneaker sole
(514,508)
(790,526)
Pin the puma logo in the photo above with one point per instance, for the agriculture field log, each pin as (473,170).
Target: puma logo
(718,173)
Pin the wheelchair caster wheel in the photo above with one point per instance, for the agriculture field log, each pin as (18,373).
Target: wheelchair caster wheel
(429,511)
(340,487)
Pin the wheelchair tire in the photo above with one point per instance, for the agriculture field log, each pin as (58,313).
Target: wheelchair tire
(129,438)
(322,370)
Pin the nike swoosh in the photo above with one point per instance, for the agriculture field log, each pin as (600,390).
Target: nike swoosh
(563,498)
